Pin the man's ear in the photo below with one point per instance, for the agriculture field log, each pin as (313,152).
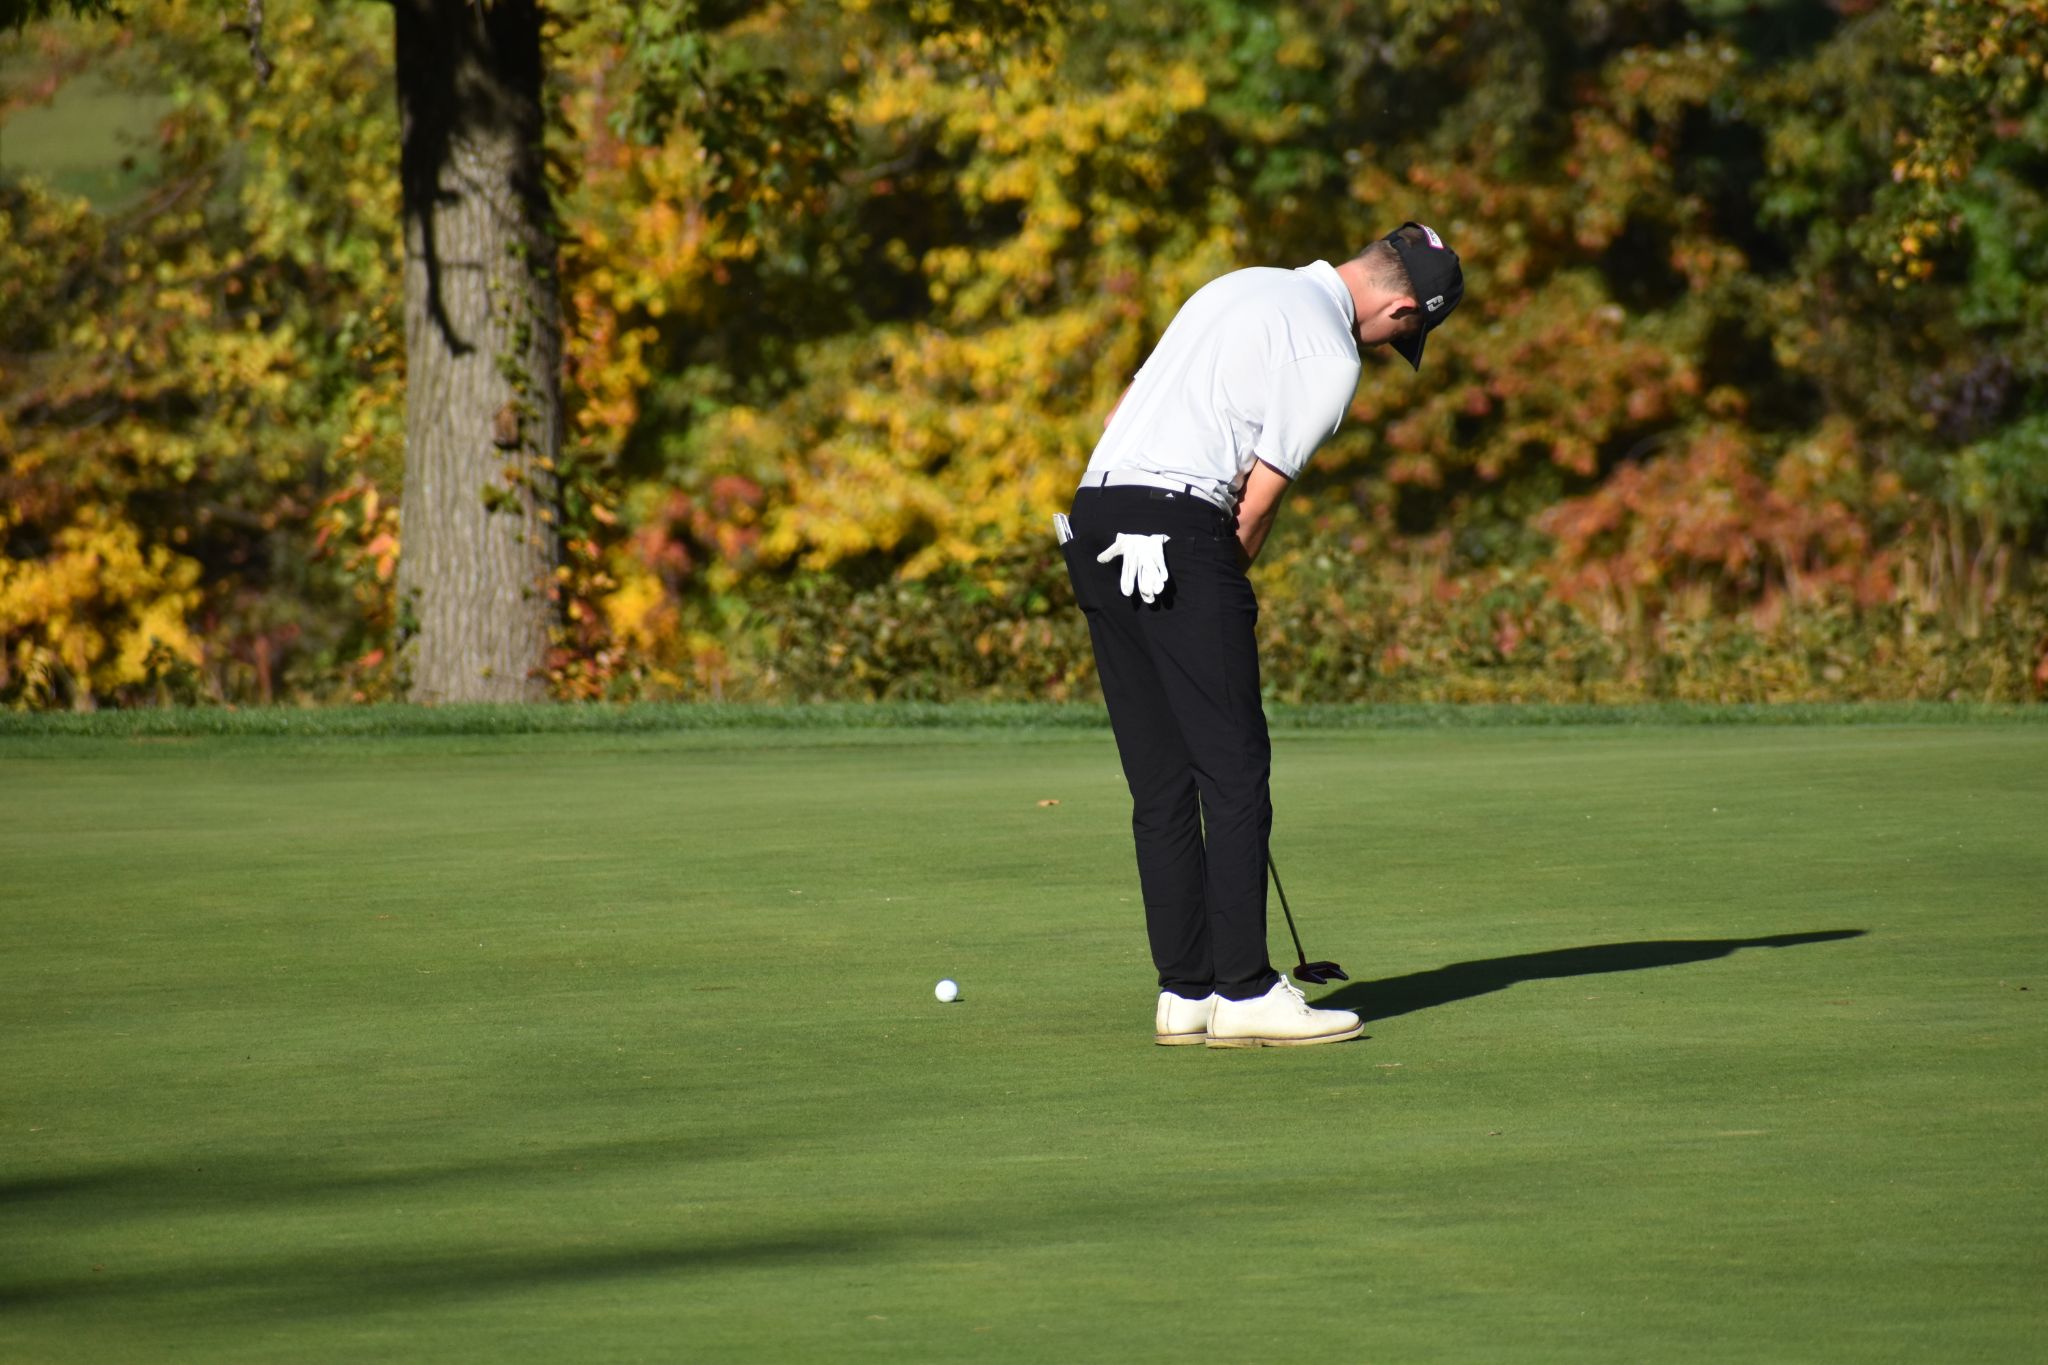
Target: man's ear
(1400,307)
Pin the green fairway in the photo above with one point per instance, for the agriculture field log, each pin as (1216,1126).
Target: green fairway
(1703,1043)
(94,139)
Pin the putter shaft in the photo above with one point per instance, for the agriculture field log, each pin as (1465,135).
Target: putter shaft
(1317,972)
(1292,933)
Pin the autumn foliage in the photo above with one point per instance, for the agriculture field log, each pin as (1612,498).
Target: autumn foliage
(1744,400)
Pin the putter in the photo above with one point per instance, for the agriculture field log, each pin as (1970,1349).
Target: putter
(1318,973)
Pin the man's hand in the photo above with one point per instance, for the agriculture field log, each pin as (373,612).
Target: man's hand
(1144,563)
(1257,507)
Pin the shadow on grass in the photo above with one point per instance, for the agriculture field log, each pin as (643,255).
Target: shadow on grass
(382,1264)
(354,1281)
(220,1182)
(1398,995)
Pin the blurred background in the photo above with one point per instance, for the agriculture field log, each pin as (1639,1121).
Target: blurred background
(1747,400)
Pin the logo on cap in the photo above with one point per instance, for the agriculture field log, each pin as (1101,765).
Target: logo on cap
(1430,233)
(1435,303)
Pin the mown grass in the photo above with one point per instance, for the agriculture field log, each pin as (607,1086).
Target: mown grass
(92,140)
(1688,1041)
(660,718)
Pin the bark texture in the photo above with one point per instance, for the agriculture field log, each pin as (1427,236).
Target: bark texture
(483,347)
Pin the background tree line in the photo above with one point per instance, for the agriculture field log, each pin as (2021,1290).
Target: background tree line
(1746,399)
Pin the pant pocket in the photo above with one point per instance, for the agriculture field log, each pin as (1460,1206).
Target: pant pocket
(1079,572)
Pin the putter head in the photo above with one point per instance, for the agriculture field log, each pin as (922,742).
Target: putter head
(1319,973)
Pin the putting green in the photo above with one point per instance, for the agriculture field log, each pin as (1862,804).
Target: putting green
(1700,1043)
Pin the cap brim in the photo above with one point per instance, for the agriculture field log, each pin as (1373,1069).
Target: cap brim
(1410,348)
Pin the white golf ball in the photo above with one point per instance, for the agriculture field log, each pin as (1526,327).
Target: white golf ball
(947,991)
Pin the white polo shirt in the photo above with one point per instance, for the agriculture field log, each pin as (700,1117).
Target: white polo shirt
(1258,365)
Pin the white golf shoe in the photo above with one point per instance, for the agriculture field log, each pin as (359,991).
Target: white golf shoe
(1181,1021)
(1282,1017)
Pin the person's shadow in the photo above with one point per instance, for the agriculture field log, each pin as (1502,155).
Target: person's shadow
(1398,995)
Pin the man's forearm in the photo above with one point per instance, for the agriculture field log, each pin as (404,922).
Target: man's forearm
(1251,535)
(1258,505)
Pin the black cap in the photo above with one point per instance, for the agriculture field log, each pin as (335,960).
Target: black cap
(1439,283)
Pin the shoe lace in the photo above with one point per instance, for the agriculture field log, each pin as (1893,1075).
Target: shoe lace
(1300,1000)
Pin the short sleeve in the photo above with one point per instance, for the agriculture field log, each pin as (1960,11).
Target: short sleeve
(1306,401)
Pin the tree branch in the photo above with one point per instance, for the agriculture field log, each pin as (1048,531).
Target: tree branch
(252,27)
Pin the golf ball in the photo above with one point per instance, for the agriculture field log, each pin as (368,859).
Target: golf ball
(948,991)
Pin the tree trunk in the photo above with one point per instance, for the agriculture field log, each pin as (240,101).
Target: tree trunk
(483,345)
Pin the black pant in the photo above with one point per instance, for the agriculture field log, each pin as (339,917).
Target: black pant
(1181,678)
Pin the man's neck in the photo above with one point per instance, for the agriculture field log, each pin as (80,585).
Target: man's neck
(1367,298)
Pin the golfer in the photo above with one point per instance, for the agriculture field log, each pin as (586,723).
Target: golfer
(1255,371)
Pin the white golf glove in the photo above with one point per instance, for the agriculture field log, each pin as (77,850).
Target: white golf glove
(1144,563)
